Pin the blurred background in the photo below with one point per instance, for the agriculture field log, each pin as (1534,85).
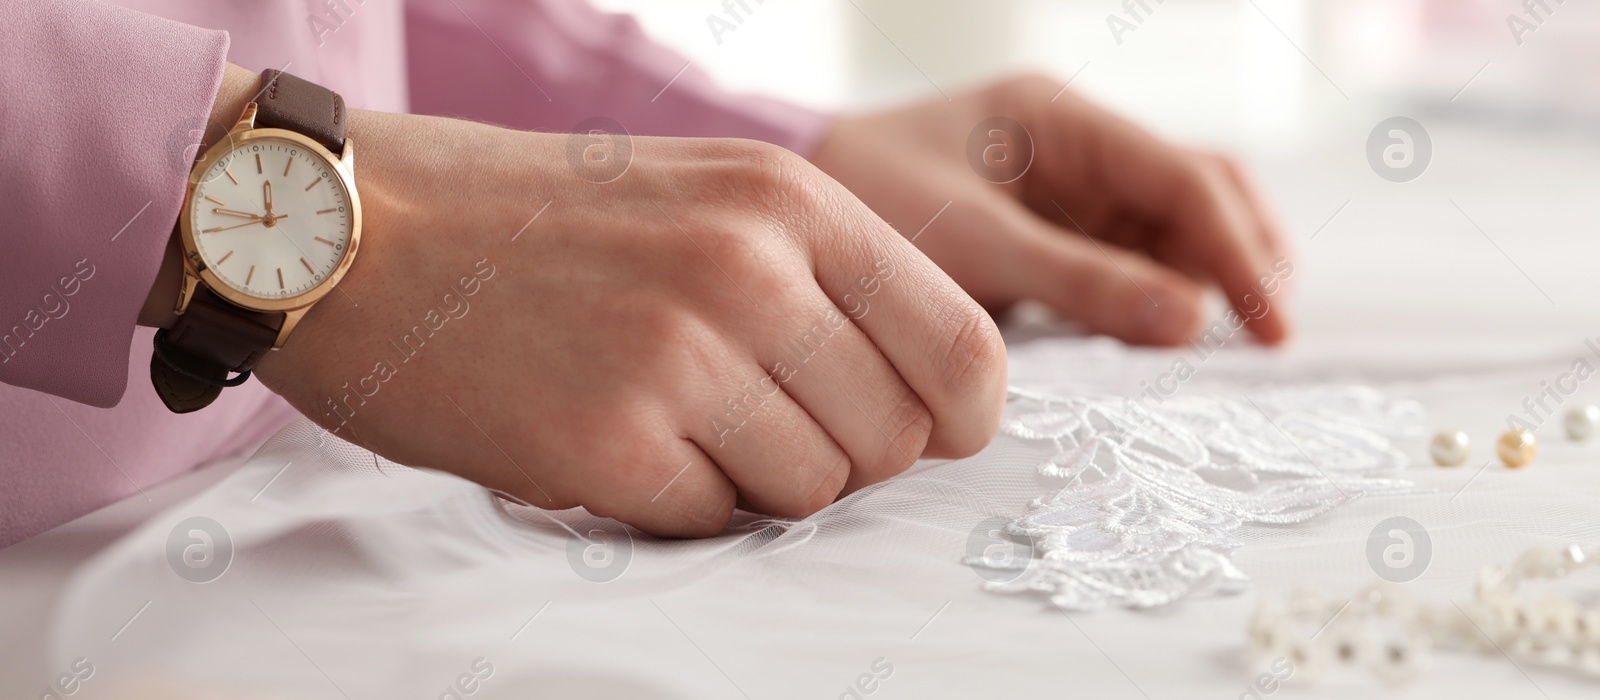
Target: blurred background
(1219,71)
(1491,249)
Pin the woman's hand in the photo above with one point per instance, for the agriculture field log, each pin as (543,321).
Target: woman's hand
(722,324)
(1162,223)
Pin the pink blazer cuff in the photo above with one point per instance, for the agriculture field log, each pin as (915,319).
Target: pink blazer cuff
(102,110)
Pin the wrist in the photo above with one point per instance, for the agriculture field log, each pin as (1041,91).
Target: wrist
(238,87)
(159,303)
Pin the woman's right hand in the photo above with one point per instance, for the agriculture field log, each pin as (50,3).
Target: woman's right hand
(721,324)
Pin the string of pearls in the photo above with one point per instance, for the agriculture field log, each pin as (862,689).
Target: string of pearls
(1383,631)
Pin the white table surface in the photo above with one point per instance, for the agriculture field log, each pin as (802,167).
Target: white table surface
(1400,291)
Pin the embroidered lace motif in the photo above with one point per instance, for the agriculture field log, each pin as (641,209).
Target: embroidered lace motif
(1148,497)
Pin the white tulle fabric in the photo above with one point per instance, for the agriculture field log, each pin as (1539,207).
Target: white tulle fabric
(1146,493)
(355,577)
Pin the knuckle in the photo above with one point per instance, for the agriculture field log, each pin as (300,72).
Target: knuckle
(755,151)
(831,484)
(975,360)
(707,515)
(769,158)
(660,324)
(731,247)
(766,281)
(908,426)
(781,181)
(976,367)
(622,467)
(758,263)
(734,248)
(667,328)
(634,484)
(755,168)
(780,195)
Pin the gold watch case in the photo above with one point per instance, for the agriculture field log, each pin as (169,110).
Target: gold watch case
(195,270)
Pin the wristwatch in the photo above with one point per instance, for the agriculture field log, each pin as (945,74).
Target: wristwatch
(269,225)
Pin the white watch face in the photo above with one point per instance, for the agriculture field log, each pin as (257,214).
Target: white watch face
(271,219)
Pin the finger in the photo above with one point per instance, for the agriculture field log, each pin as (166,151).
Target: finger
(1092,150)
(661,483)
(844,382)
(1229,246)
(1269,225)
(1108,288)
(782,462)
(943,345)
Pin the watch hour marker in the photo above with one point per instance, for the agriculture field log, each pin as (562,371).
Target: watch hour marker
(320,239)
(313,184)
(229,173)
(218,201)
(250,274)
(288,165)
(224,258)
(280,278)
(328,211)
(308,266)
(258,163)
(211,230)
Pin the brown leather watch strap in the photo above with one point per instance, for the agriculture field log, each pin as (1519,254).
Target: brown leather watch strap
(213,338)
(287,102)
(192,360)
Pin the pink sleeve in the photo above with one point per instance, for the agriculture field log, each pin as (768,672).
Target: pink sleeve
(99,109)
(550,64)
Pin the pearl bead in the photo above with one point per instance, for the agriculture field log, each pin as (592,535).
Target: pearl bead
(1583,422)
(1574,556)
(1540,562)
(1351,644)
(1401,660)
(1271,631)
(1311,659)
(1558,618)
(1497,617)
(1449,448)
(1517,448)
(1588,627)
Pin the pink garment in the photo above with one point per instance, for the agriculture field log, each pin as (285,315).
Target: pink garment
(99,109)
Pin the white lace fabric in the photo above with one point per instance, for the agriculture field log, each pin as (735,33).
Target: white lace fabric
(1148,493)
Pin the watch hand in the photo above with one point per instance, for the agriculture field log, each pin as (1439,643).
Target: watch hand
(230,212)
(228,228)
(267,190)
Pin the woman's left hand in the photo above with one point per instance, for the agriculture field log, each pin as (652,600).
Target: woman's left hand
(1077,208)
